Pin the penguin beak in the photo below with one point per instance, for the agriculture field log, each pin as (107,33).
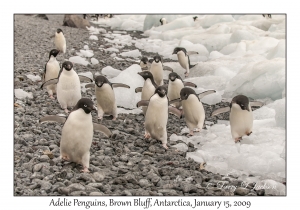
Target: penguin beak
(156,60)
(100,84)
(172,79)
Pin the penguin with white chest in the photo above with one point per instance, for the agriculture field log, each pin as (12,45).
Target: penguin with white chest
(175,84)
(77,133)
(241,117)
(148,89)
(68,86)
(106,102)
(163,21)
(60,41)
(157,115)
(193,110)
(51,71)
(184,59)
(157,70)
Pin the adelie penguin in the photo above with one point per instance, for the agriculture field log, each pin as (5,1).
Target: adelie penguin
(157,115)
(192,107)
(106,102)
(163,21)
(175,84)
(195,18)
(68,86)
(157,70)
(148,89)
(60,41)
(184,59)
(145,64)
(240,117)
(51,71)
(77,133)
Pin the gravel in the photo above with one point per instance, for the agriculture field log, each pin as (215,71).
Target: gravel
(125,164)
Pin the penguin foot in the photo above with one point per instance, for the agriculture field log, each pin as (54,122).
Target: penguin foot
(196,130)
(165,146)
(85,170)
(147,135)
(66,110)
(236,140)
(191,133)
(248,134)
(186,74)
(66,158)
(52,97)
(114,118)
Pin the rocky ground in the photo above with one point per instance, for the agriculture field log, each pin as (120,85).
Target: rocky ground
(126,163)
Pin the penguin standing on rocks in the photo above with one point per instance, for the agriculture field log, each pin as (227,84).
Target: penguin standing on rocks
(193,110)
(51,71)
(148,89)
(68,86)
(175,85)
(157,115)
(241,117)
(60,41)
(157,70)
(184,59)
(106,102)
(77,133)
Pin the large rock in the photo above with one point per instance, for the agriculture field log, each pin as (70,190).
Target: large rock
(75,21)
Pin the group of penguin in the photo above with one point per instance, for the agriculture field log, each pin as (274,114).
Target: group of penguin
(158,98)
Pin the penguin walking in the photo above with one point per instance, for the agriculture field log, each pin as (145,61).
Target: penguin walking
(77,133)
(106,102)
(157,115)
(60,41)
(175,84)
(148,89)
(193,110)
(68,86)
(184,59)
(51,71)
(240,117)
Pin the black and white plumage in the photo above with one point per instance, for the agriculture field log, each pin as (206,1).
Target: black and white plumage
(184,59)
(60,41)
(77,133)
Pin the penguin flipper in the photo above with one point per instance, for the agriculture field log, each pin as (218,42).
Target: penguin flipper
(256,103)
(190,84)
(221,110)
(103,129)
(138,89)
(167,68)
(191,66)
(174,111)
(120,85)
(145,68)
(49,82)
(201,95)
(142,103)
(52,118)
(91,85)
(84,78)
(175,100)
(192,53)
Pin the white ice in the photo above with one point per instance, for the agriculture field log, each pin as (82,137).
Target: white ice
(79,60)
(110,72)
(85,53)
(34,78)
(93,37)
(21,94)
(132,53)
(94,61)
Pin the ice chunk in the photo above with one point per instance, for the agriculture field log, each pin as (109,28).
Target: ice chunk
(87,74)
(79,60)
(263,113)
(278,51)
(127,97)
(94,61)
(280,113)
(189,46)
(224,72)
(111,49)
(129,111)
(197,156)
(86,47)
(215,55)
(110,71)
(210,20)
(181,146)
(20,94)
(93,37)
(153,20)
(85,53)
(213,98)
(34,78)
(132,53)
(182,22)
(240,35)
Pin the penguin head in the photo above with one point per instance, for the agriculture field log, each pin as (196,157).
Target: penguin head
(59,30)
(53,52)
(144,60)
(100,80)
(157,59)
(173,76)
(195,18)
(179,49)
(146,75)
(240,101)
(86,104)
(161,91)
(67,65)
(186,92)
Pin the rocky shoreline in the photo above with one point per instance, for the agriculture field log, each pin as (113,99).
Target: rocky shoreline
(125,164)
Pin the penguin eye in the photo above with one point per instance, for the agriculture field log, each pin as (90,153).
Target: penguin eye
(85,105)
